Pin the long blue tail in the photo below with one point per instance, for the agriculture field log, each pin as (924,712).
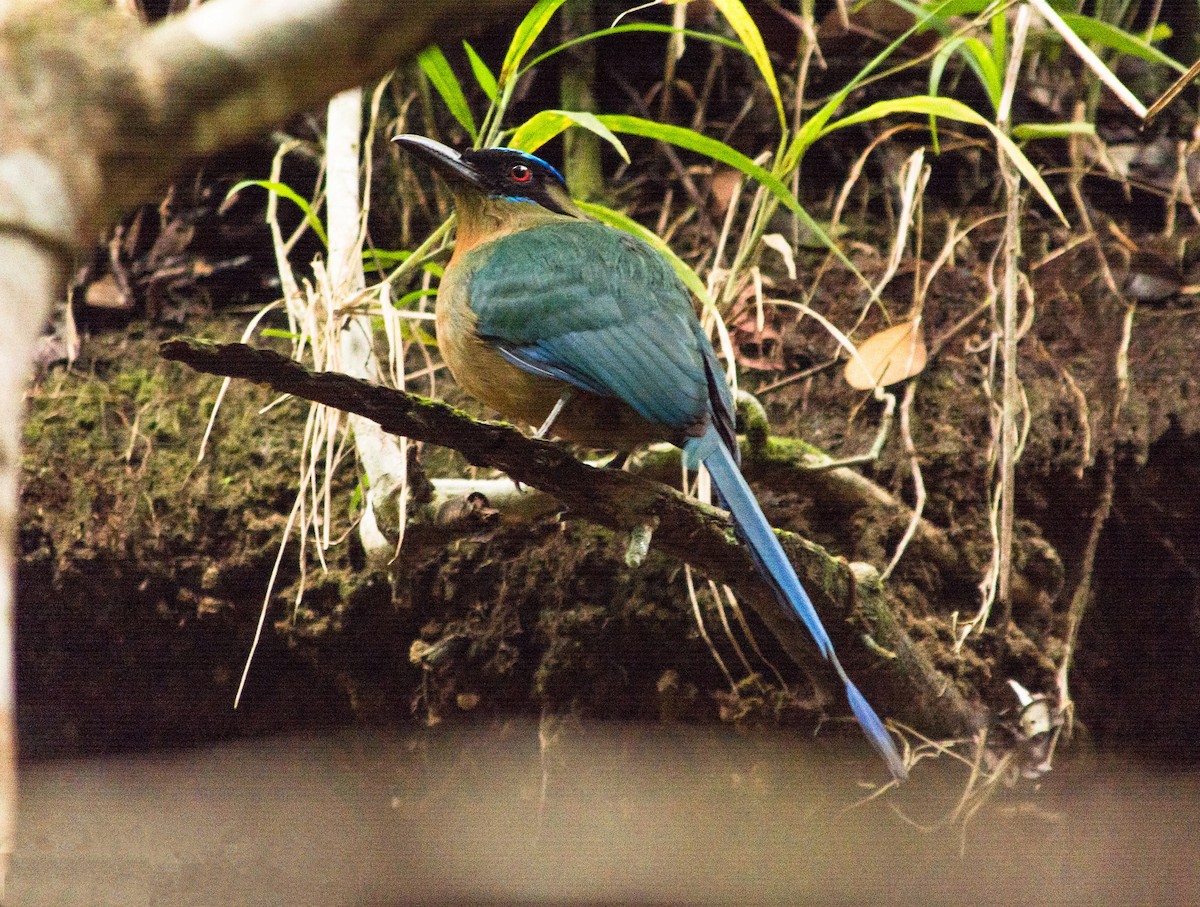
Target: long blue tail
(773,564)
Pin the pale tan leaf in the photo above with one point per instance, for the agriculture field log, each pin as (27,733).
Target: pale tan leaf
(106,293)
(887,357)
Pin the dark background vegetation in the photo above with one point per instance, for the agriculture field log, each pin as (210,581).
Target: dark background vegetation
(143,572)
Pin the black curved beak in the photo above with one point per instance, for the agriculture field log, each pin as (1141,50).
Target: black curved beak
(443,159)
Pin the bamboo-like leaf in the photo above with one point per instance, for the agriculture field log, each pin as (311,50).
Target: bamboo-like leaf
(546,124)
(690,139)
(285,191)
(442,77)
(386,258)
(745,28)
(1161,32)
(938,65)
(527,32)
(719,151)
(955,110)
(410,330)
(483,75)
(1118,39)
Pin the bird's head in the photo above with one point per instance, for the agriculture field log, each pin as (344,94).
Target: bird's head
(496,174)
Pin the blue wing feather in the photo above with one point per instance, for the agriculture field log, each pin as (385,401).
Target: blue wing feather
(542,362)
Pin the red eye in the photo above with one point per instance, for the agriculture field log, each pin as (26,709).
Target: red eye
(520,173)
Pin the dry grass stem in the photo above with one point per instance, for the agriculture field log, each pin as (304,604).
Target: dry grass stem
(910,449)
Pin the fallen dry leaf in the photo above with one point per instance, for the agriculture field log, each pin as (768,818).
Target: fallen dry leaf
(887,357)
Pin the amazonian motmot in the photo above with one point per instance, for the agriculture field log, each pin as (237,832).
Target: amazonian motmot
(584,330)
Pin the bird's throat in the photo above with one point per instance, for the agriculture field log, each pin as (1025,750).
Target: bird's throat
(481,219)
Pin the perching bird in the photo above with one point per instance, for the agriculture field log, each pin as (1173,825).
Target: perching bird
(561,322)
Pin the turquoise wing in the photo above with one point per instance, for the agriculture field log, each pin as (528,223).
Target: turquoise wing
(601,309)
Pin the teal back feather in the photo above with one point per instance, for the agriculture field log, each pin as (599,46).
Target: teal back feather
(602,309)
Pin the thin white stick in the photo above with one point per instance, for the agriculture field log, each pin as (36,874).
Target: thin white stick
(1094,63)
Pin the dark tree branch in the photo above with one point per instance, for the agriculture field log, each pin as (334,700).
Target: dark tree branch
(117,108)
(684,528)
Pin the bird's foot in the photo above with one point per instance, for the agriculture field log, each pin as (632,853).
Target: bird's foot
(544,431)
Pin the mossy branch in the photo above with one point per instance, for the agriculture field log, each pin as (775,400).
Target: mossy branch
(686,528)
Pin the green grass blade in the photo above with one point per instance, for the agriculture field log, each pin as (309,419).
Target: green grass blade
(955,110)
(980,58)
(280,334)
(385,258)
(999,24)
(442,77)
(285,191)
(483,75)
(546,124)
(527,32)
(816,125)
(941,16)
(1025,132)
(635,27)
(408,299)
(1119,40)
(743,25)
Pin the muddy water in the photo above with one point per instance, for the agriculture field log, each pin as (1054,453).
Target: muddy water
(587,814)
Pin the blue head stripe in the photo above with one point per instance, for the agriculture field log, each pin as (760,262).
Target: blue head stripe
(534,160)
